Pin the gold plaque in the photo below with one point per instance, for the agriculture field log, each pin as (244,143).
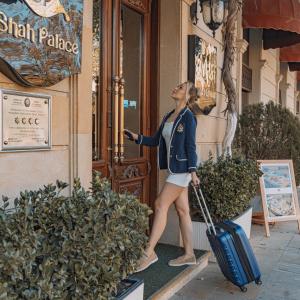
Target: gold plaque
(25,121)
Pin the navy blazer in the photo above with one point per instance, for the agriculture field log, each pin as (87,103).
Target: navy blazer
(183,155)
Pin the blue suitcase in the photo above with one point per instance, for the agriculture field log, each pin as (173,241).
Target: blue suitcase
(231,248)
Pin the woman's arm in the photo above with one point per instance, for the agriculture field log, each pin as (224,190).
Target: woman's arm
(151,141)
(191,148)
(141,139)
(190,141)
(148,140)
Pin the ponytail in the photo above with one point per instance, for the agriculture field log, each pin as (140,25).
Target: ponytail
(192,96)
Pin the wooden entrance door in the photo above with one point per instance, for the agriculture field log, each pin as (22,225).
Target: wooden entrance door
(122,94)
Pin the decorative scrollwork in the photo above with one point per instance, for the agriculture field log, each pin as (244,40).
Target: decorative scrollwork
(138,3)
(135,189)
(131,171)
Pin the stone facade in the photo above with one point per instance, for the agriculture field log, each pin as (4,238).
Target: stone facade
(71,131)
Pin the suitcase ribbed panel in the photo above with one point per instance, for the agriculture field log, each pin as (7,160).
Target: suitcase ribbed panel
(227,257)
(245,250)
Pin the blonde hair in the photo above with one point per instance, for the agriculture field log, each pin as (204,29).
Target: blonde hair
(192,95)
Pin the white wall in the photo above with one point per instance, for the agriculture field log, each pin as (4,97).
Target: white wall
(269,72)
(269,75)
(291,88)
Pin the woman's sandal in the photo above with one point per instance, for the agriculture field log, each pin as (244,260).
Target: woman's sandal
(146,261)
(183,260)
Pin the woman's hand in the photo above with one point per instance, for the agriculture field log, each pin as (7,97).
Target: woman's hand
(195,179)
(129,134)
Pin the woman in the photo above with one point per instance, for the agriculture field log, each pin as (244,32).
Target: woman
(177,154)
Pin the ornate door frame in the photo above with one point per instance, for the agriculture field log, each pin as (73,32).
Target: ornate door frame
(138,176)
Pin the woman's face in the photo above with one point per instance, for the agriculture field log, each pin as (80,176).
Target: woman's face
(179,92)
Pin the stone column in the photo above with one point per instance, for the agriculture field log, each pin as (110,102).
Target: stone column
(279,78)
(81,107)
(241,46)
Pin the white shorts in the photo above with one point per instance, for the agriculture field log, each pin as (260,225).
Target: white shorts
(181,179)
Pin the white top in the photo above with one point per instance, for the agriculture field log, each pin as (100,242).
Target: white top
(166,133)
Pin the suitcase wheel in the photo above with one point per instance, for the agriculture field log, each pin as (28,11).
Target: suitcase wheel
(258,281)
(243,289)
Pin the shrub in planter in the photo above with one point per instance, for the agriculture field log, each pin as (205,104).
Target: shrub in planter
(269,132)
(228,185)
(77,247)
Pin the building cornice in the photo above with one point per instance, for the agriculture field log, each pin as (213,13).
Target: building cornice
(188,2)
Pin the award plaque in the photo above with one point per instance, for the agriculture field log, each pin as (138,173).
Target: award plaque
(25,121)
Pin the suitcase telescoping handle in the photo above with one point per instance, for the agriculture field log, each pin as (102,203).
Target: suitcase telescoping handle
(205,211)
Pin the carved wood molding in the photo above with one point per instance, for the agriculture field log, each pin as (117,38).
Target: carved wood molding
(139,4)
(135,189)
(131,172)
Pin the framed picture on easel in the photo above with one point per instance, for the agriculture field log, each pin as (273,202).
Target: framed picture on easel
(278,192)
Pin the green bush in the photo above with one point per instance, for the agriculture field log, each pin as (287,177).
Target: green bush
(228,185)
(77,247)
(269,132)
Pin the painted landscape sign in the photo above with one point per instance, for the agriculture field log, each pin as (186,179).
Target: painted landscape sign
(278,189)
(40,40)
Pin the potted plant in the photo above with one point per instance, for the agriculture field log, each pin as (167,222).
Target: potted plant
(81,246)
(228,185)
(268,131)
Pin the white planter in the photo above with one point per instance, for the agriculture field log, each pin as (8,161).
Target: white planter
(245,221)
(200,239)
(135,292)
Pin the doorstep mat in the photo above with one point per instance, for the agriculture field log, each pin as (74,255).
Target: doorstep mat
(159,274)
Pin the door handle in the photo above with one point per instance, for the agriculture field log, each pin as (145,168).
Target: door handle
(116,82)
(111,171)
(148,167)
(122,120)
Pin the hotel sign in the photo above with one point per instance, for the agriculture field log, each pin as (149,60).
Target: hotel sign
(40,40)
(26,121)
(202,70)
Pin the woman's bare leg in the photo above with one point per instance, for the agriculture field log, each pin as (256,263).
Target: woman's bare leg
(185,222)
(167,196)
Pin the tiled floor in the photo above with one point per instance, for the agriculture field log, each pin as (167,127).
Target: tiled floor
(279,259)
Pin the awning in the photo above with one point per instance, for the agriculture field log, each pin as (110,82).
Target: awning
(280,21)
(290,54)
(273,39)
(272,14)
(294,66)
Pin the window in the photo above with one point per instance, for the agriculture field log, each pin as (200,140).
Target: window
(246,72)
(245,99)
(246,55)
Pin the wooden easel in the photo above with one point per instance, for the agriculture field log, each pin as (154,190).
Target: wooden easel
(259,218)
(266,218)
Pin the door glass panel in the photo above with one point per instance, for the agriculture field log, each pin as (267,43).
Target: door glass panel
(131,49)
(96,117)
